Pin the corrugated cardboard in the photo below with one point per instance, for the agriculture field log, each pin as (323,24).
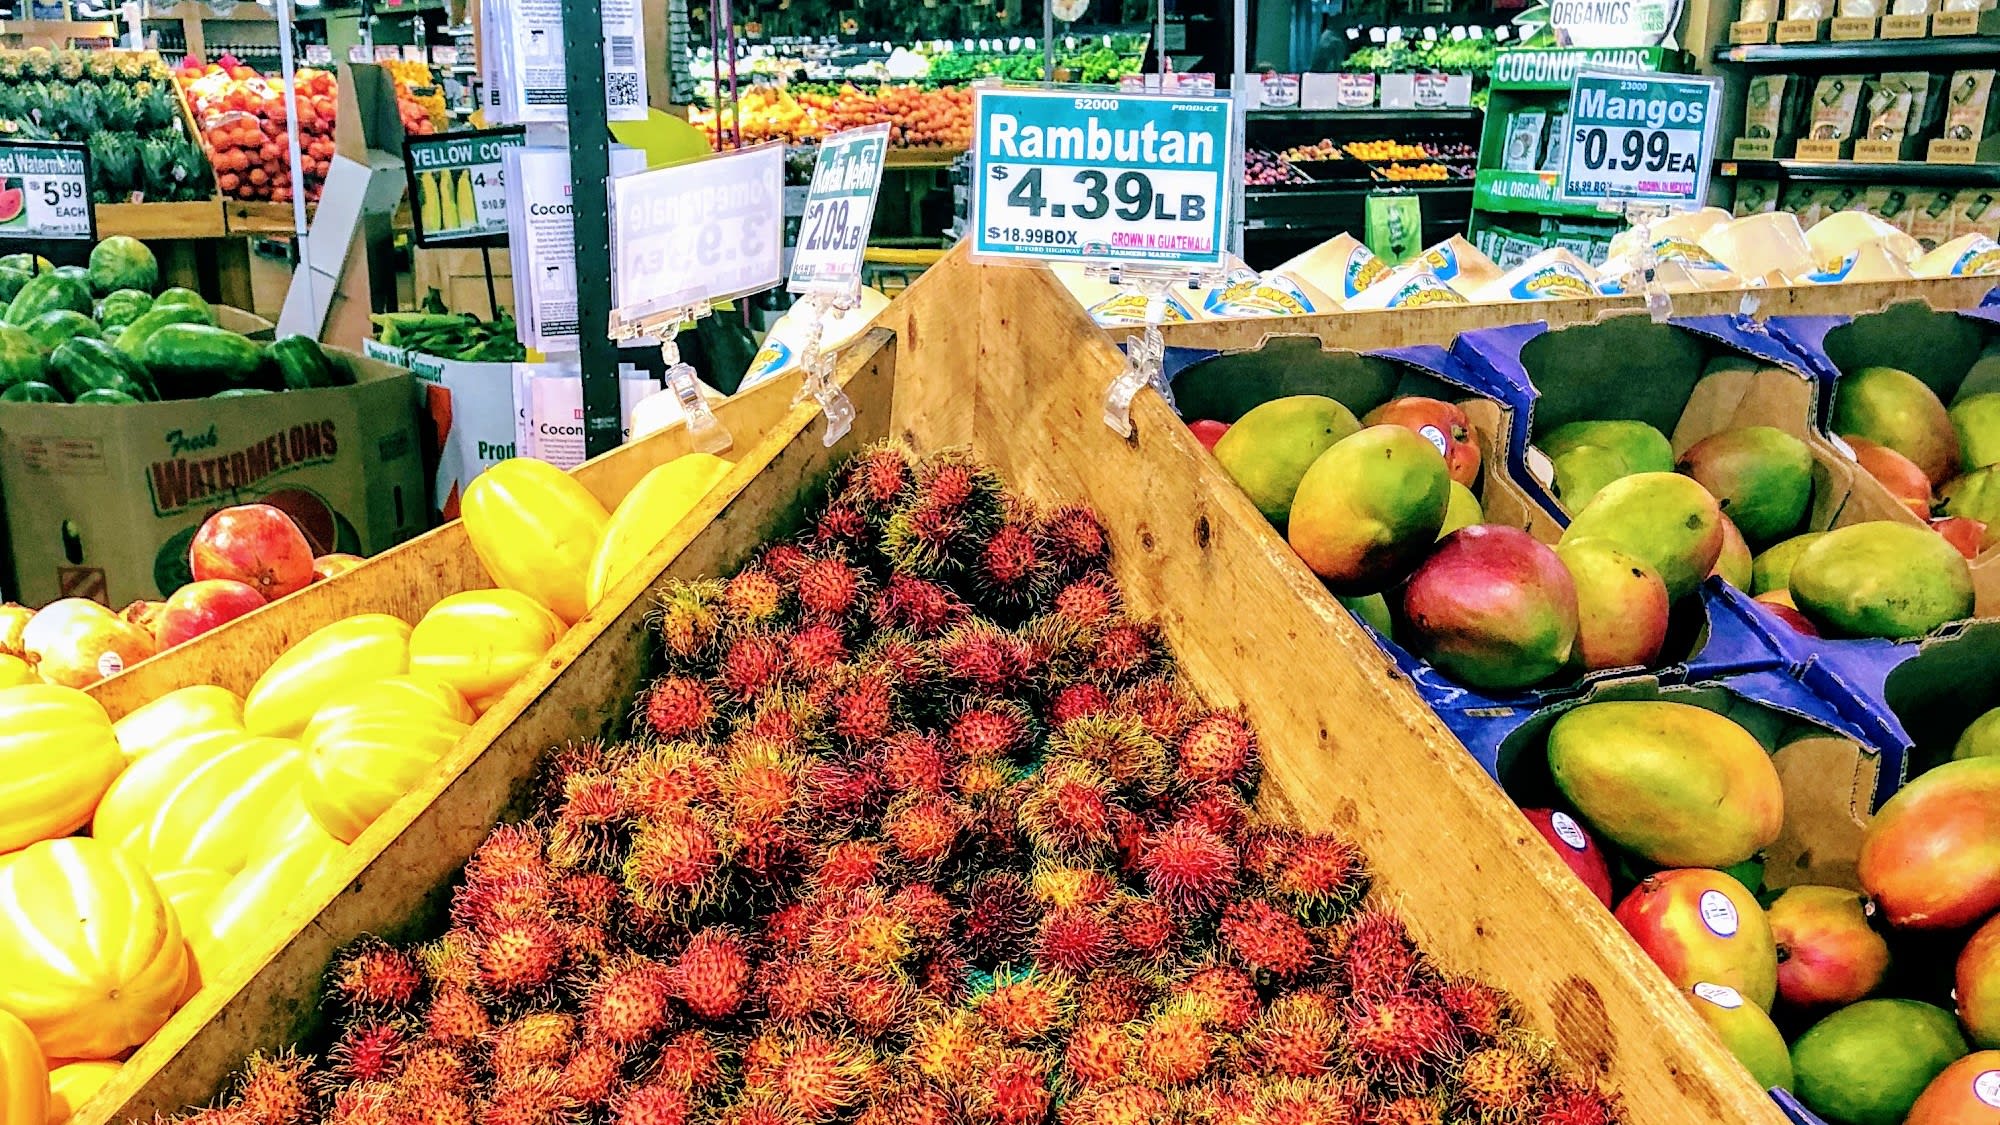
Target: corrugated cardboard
(102,501)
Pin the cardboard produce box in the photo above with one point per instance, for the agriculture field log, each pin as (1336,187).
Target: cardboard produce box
(102,502)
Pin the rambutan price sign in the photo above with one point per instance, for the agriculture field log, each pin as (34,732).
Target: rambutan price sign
(699,232)
(45,191)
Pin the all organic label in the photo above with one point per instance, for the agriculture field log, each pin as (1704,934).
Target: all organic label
(458,190)
(1639,139)
(702,231)
(1110,177)
(839,210)
(45,191)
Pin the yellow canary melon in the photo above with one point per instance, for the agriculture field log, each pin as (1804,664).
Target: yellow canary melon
(357,650)
(661,499)
(58,755)
(482,641)
(535,529)
(73,1084)
(365,752)
(189,710)
(24,1074)
(202,804)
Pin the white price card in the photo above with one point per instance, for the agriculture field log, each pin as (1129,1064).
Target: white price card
(1639,138)
(706,230)
(319,54)
(45,191)
(839,210)
(458,187)
(1131,178)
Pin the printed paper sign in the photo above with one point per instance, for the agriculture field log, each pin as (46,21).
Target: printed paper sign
(707,230)
(458,187)
(839,210)
(1109,177)
(45,191)
(1639,139)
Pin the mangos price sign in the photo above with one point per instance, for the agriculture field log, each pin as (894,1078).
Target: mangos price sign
(706,230)
(1129,178)
(458,192)
(45,191)
(840,209)
(1639,138)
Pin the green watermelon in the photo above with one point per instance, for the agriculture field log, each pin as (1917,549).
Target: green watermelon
(21,357)
(123,262)
(123,306)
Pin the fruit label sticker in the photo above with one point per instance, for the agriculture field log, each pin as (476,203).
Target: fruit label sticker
(1986,1087)
(1720,995)
(1564,824)
(45,191)
(1126,178)
(1718,913)
(706,230)
(458,191)
(1639,139)
(839,210)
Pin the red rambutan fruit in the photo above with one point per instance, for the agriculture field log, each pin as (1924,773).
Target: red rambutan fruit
(944,974)
(688,618)
(592,1074)
(1134,760)
(1217,749)
(784,561)
(1067,809)
(923,830)
(815,650)
(486,904)
(1266,939)
(367,1051)
(1124,652)
(876,478)
(915,762)
(929,913)
(797,989)
(1161,707)
(1011,1090)
(863,934)
(434,1066)
(273,1089)
(1309,1101)
(1319,875)
(753,663)
(1075,941)
(818,1075)
(757,1109)
(1218,809)
(1397,1039)
(878,1003)
(376,977)
(1410,1109)
(673,863)
(1127,1104)
(1499,1085)
(840,524)
(456,1018)
(906,664)
(1076,540)
(1293,1038)
(864,709)
(1000,917)
(588,896)
(655,1104)
(691,1061)
(924,608)
(509,850)
(1375,956)
(829,588)
(788,927)
(849,865)
(990,729)
(1188,867)
(1024,1007)
(911,1103)
(452,961)
(981,657)
(769,852)
(589,819)
(431,1105)
(520,956)
(627,1003)
(761,784)
(711,973)
(1174,1047)
(1147,928)
(1223,996)
(1098,1053)
(533,1098)
(1572,1103)
(1478,1010)
(361,1103)
(948,1049)
(657,780)
(1078,701)
(1087,602)
(1012,566)
(530,1042)
(840,793)
(1070,886)
(1115,997)
(678,707)
(754,597)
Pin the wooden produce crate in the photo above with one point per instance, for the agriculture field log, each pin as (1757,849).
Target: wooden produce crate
(1346,746)
(1440,324)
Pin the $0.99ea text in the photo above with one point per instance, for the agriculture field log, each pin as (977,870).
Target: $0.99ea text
(1635,150)
(702,229)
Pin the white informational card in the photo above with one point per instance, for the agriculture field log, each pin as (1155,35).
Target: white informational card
(526,62)
(542,242)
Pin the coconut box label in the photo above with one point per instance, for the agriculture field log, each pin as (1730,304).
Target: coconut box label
(1126,178)
(45,191)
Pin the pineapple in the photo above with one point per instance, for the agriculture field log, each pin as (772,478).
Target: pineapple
(10,66)
(99,65)
(69,65)
(41,64)
(131,67)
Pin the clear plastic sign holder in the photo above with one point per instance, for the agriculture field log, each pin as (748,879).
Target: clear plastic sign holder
(1145,353)
(818,384)
(1641,217)
(705,431)
(830,283)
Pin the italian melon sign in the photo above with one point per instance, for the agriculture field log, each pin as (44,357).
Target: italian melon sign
(45,191)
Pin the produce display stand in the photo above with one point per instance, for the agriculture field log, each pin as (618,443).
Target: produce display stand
(1250,625)
(1439,324)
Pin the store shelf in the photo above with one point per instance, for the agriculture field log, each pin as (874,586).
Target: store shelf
(1455,115)
(1825,56)
(150,222)
(1337,207)
(919,158)
(1913,173)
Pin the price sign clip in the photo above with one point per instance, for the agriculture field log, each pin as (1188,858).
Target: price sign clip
(1646,265)
(819,384)
(1145,353)
(705,432)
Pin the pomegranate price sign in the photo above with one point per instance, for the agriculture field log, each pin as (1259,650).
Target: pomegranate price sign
(45,191)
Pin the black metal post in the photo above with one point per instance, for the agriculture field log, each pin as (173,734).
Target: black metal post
(589,173)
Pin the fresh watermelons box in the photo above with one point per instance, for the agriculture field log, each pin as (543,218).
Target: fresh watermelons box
(103,502)
(1467,418)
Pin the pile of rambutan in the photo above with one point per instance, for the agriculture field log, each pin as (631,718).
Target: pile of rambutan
(915,826)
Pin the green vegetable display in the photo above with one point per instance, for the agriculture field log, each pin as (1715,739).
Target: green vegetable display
(122,104)
(450,335)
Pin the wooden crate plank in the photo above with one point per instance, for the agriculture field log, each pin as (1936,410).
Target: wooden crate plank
(152,222)
(1347,745)
(407,857)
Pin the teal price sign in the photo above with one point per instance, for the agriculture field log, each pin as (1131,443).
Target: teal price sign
(1130,178)
(1639,138)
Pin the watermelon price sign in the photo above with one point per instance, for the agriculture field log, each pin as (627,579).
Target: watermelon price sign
(45,191)
(1639,139)
(839,210)
(1130,178)
(703,231)
(458,190)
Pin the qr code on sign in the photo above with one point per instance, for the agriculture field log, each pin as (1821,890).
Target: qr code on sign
(621,89)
